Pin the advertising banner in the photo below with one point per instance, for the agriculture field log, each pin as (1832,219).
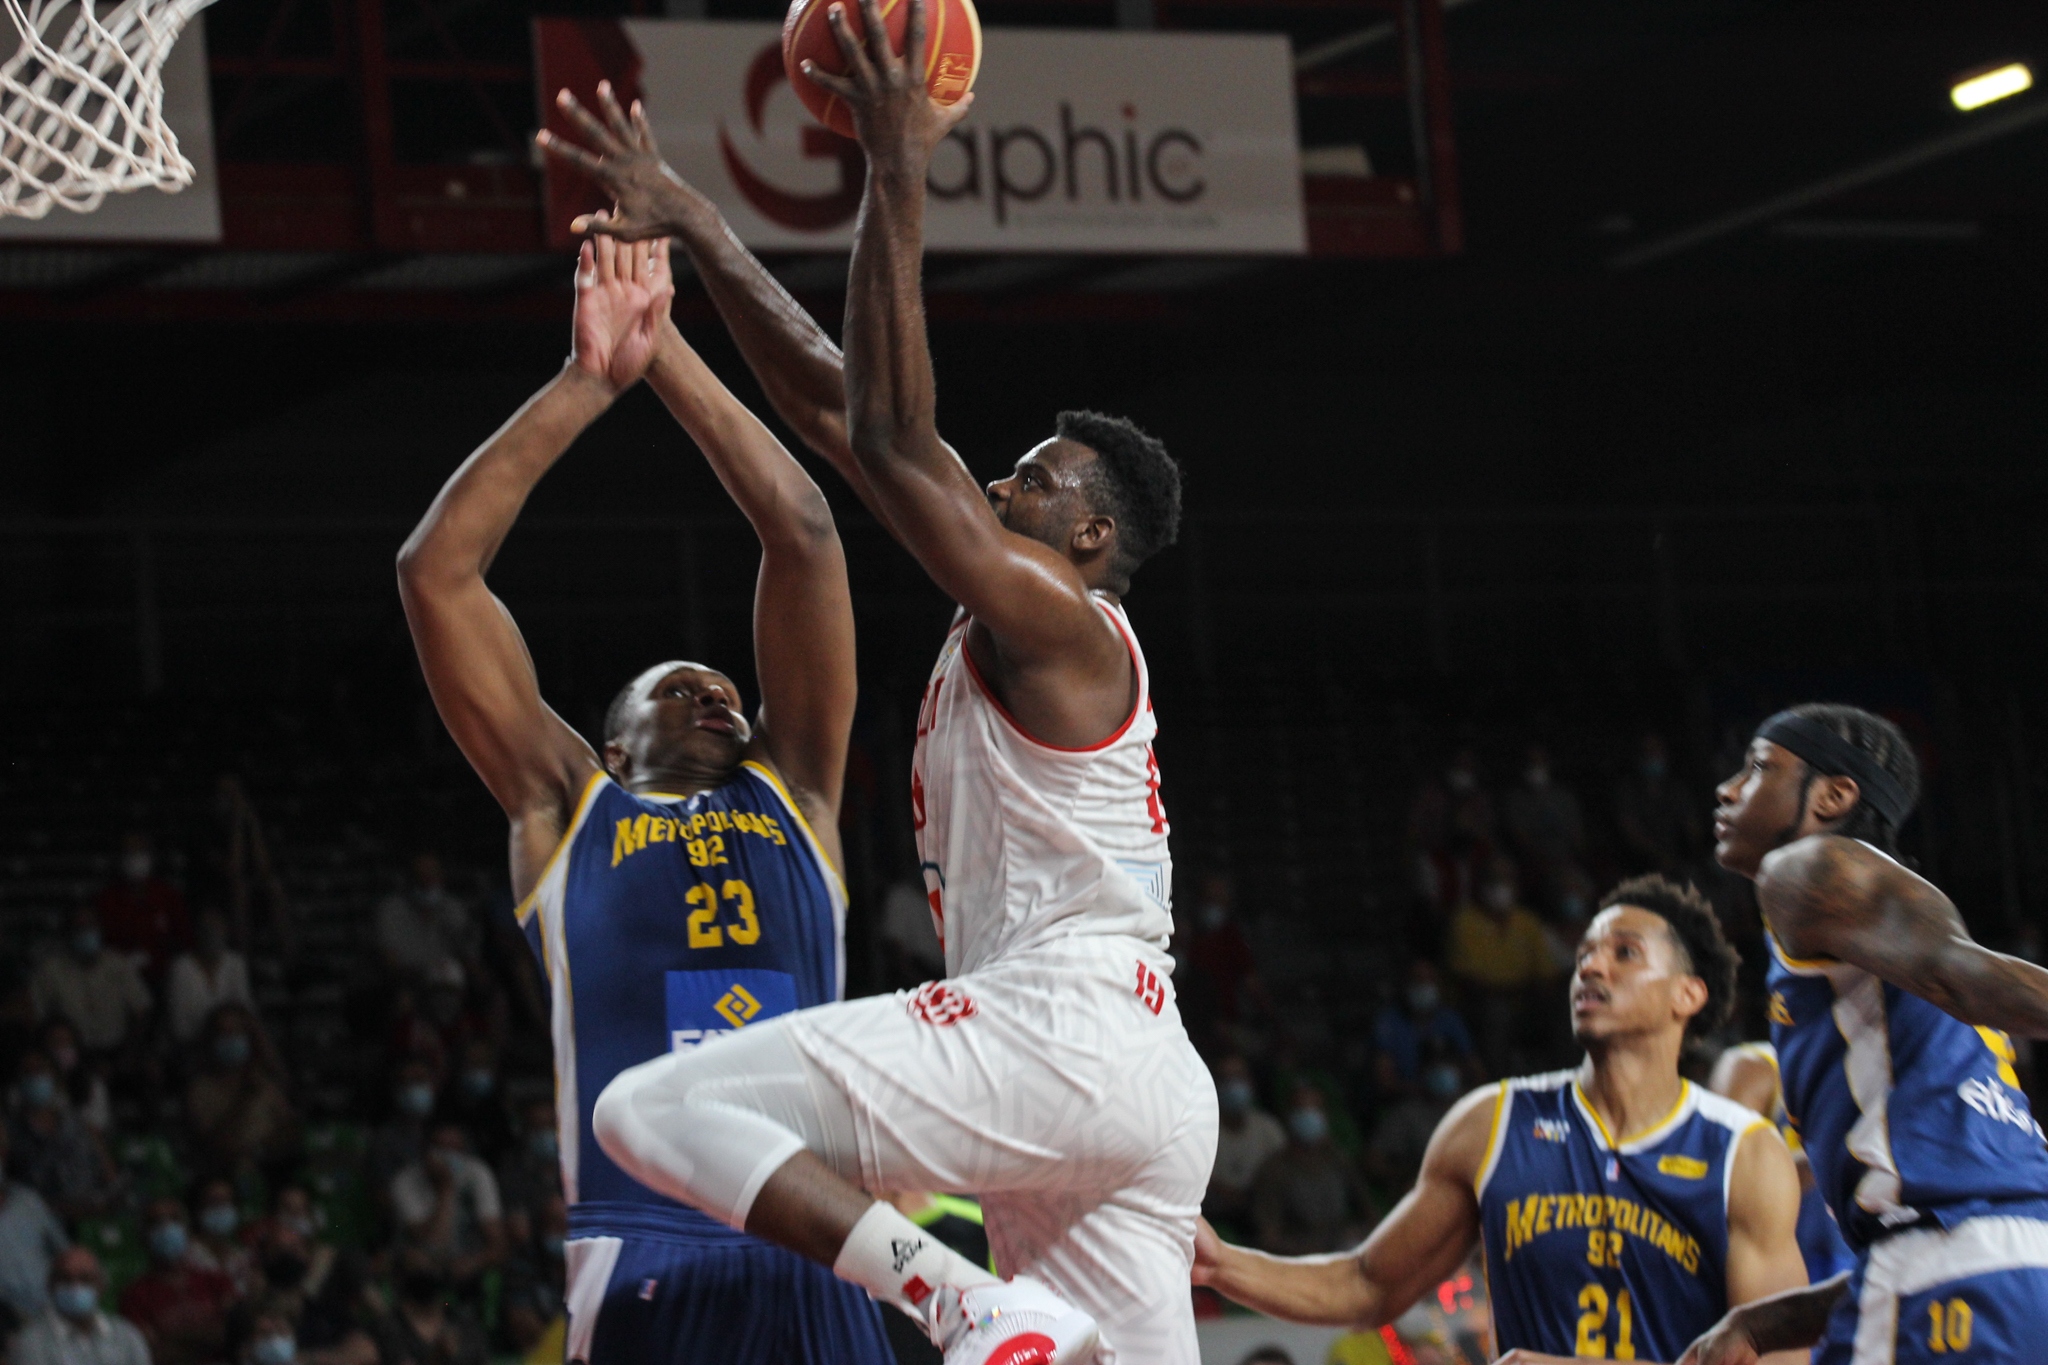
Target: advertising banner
(1080,140)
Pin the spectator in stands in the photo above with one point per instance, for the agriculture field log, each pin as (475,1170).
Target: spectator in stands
(1394,1155)
(1501,959)
(437,1018)
(1546,823)
(1658,819)
(74,1331)
(82,1080)
(210,975)
(272,1339)
(1402,1032)
(53,1151)
(30,1238)
(1308,1197)
(1219,952)
(530,1172)
(1451,827)
(473,1100)
(181,1307)
(235,1106)
(401,1139)
(100,992)
(447,1206)
(1246,1136)
(535,1277)
(424,1327)
(309,1284)
(422,924)
(215,1246)
(143,915)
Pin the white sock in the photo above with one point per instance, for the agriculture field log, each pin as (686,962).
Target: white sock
(899,1262)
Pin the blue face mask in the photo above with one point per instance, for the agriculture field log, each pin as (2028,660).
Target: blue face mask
(38,1091)
(416,1099)
(86,943)
(1234,1097)
(543,1145)
(231,1049)
(219,1220)
(477,1082)
(1442,1081)
(168,1241)
(75,1300)
(1309,1126)
(273,1350)
(552,1245)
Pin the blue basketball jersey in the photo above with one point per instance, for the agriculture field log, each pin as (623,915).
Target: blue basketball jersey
(1599,1248)
(1908,1116)
(1820,1241)
(662,922)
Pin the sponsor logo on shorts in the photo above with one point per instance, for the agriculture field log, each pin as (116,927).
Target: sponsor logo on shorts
(937,1002)
(902,1252)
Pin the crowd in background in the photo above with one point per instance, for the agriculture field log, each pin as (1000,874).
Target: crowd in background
(184,1186)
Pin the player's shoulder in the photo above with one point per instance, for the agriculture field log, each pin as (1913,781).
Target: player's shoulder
(1722,1112)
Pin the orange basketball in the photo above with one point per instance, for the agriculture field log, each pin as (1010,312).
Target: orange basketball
(952,51)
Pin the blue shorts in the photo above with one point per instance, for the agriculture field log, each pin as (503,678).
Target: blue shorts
(1973,1294)
(645,1299)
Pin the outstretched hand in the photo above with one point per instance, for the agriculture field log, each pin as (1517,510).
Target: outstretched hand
(650,199)
(1208,1253)
(623,291)
(1725,1343)
(894,114)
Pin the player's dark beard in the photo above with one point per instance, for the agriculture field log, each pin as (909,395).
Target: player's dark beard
(1791,831)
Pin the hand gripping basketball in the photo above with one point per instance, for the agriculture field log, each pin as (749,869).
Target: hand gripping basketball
(847,69)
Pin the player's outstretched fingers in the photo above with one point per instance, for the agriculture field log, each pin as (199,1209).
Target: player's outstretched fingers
(586,266)
(914,38)
(878,38)
(600,136)
(860,72)
(841,86)
(641,128)
(607,253)
(569,152)
(622,131)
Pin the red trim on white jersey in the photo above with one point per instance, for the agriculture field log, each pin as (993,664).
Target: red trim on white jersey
(1142,699)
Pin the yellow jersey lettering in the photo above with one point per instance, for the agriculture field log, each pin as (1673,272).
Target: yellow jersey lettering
(774,829)
(1521,1223)
(1684,1167)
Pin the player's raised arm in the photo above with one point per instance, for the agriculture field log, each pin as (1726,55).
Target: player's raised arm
(1425,1239)
(475,662)
(803,611)
(798,366)
(1029,596)
(1827,896)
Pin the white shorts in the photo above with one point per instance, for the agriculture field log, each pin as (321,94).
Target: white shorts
(1059,1088)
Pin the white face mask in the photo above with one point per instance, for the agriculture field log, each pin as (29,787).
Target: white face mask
(136,865)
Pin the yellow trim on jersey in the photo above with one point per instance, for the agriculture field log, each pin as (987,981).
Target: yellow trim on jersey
(1501,1104)
(1815,966)
(525,907)
(1647,1135)
(817,845)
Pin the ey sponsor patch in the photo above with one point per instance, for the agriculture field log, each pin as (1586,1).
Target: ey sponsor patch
(704,1005)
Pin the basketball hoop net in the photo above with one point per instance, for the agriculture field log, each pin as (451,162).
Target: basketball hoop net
(81,103)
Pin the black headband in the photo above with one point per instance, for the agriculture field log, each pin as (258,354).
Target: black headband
(1827,752)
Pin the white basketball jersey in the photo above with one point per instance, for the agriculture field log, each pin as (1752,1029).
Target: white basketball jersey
(1023,842)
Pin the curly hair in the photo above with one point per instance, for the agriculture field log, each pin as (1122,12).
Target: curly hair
(1696,929)
(1887,746)
(1135,481)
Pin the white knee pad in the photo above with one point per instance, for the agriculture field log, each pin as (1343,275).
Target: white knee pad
(709,1126)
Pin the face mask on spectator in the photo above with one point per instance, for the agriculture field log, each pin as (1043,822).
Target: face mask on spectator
(1539,777)
(219,1220)
(1442,1081)
(1500,896)
(543,1145)
(1309,1125)
(38,1090)
(297,1224)
(1653,768)
(1460,779)
(477,1082)
(273,1350)
(136,865)
(551,1243)
(86,942)
(64,1057)
(1234,1096)
(1211,916)
(75,1300)
(231,1049)
(1423,997)
(416,1099)
(168,1241)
